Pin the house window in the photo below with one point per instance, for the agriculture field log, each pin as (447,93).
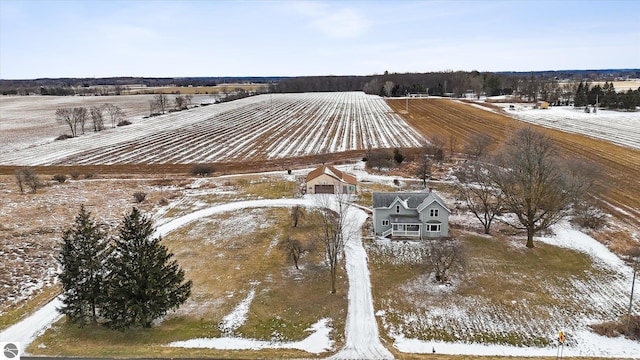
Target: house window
(397,208)
(433,227)
(385,222)
(433,212)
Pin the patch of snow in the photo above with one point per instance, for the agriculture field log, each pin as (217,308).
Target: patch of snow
(27,330)
(316,343)
(238,316)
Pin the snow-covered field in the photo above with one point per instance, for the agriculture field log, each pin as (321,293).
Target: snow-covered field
(620,127)
(259,127)
(27,121)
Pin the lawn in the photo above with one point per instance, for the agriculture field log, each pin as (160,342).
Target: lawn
(507,294)
(228,256)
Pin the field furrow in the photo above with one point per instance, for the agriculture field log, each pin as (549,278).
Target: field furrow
(263,127)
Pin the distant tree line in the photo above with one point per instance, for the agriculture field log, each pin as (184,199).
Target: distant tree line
(530,86)
(557,88)
(606,96)
(112,85)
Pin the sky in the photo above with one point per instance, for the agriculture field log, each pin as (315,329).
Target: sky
(162,38)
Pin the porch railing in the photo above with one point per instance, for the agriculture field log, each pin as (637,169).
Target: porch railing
(405,233)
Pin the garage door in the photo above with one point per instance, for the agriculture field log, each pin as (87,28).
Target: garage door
(324,189)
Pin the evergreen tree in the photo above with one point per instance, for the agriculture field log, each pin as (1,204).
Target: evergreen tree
(595,95)
(630,100)
(610,98)
(82,258)
(581,95)
(143,281)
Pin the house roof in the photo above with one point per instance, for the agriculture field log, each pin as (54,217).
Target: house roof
(414,200)
(333,172)
(385,199)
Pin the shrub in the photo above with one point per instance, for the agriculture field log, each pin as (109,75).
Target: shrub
(398,156)
(588,217)
(75,174)
(202,169)
(163,202)
(617,328)
(60,178)
(139,196)
(89,175)
(64,137)
(124,123)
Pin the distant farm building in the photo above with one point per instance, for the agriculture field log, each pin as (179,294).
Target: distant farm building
(326,179)
(541,105)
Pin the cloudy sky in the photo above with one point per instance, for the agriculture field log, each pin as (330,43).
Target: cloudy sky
(161,38)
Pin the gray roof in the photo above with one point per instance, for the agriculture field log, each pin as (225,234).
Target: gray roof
(385,199)
(413,199)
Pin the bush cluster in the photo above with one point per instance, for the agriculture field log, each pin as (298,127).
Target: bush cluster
(202,170)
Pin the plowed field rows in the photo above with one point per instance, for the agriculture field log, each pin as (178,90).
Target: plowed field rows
(618,167)
(261,127)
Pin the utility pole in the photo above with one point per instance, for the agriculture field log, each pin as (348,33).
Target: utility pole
(634,264)
(633,282)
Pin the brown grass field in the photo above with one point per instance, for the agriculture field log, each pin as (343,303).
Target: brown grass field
(616,168)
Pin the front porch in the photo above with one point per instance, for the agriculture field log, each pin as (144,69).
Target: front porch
(404,227)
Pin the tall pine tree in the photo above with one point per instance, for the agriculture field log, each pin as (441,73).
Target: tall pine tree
(143,281)
(82,258)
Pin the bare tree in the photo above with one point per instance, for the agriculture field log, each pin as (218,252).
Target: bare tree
(19,180)
(161,101)
(189,99)
(423,171)
(436,146)
(75,118)
(379,159)
(97,118)
(293,249)
(387,88)
(296,214)
(153,107)
(445,256)
(478,144)
(115,114)
(535,187)
(27,177)
(452,145)
(330,218)
(179,102)
(478,192)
